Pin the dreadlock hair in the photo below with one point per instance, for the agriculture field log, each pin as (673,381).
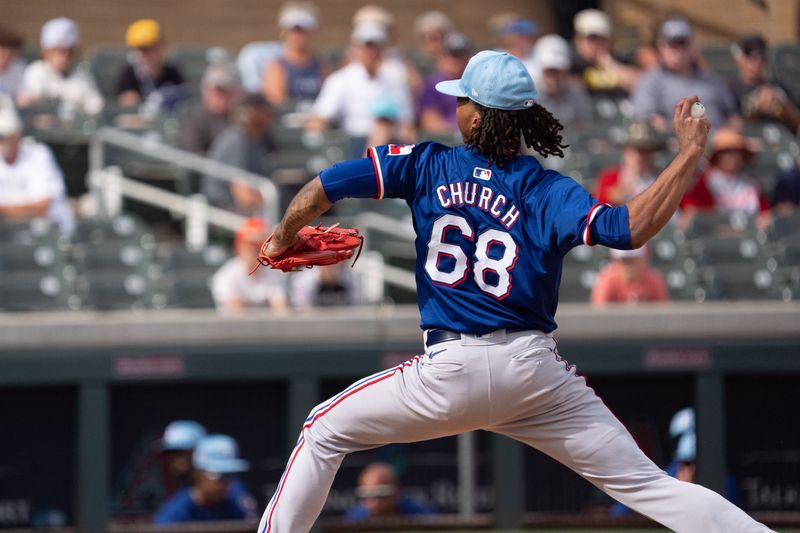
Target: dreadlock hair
(497,135)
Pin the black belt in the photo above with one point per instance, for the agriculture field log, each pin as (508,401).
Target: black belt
(436,336)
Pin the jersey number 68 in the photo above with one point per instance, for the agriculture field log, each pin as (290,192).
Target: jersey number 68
(487,241)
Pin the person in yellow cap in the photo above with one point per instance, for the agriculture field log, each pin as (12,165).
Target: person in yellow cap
(148,77)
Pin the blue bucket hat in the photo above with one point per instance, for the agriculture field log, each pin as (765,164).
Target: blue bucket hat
(182,435)
(218,454)
(494,79)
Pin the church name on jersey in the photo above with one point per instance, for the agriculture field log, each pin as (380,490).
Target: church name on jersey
(464,193)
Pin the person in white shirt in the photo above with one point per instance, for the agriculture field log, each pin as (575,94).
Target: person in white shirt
(12,66)
(348,95)
(232,286)
(56,77)
(31,183)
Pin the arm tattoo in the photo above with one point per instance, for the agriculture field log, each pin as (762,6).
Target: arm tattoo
(307,205)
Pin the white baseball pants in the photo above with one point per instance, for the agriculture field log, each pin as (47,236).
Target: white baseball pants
(514,384)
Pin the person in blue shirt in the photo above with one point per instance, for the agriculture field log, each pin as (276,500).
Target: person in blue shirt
(215,460)
(379,496)
(492,230)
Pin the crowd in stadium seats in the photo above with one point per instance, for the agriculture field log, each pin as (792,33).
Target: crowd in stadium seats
(285,109)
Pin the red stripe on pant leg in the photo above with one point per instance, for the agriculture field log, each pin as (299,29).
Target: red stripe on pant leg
(280,489)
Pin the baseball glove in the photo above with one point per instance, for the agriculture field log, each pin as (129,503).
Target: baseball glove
(317,245)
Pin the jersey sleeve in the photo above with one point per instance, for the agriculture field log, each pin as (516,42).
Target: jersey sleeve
(396,169)
(351,179)
(574,217)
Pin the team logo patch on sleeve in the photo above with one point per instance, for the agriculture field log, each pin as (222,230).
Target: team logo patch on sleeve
(482,173)
(400,149)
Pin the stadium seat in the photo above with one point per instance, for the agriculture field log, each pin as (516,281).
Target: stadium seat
(708,224)
(31,291)
(106,63)
(743,282)
(32,257)
(189,290)
(592,257)
(37,231)
(119,290)
(123,228)
(727,250)
(785,226)
(576,283)
(721,60)
(786,62)
(192,62)
(182,259)
(111,255)
(789,251)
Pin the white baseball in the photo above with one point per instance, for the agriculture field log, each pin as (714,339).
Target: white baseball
(698,110)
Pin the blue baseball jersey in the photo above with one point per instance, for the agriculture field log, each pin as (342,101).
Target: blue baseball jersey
(490,239)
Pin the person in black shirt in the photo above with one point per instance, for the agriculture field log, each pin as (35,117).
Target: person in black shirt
(148,78)
(759,95)
(786,196)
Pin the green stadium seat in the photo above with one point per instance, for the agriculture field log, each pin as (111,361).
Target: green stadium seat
(181,259)
(592,257)
(789,251)
(31,291)
(33,257)
(576,283)
(106,64)
(727,250)
(37,231)
(192,62)
(111,255)
(708,224)
(123,228)
(721,60)
(119,290)
(743,282)
(189,290)
(785,226)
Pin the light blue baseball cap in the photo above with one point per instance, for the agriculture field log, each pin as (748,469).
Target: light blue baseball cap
(682,422)
(182,435)
(218,454)
(494,79)
(686,452)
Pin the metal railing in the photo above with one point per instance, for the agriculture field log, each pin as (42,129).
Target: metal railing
(109,187)
(153,148)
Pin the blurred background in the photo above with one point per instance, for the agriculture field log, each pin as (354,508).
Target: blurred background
(147,148)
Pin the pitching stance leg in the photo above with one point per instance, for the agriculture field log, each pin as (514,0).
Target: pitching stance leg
(572,425)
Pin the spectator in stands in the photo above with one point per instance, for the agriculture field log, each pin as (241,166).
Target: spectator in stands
(786,196)
(618,184)
(759,95)
(326,286)
(149,79)
(232,286)
(558,93)
(437,112)
(379,496)
(215,460)
(594,63)
(348,95)
(296,75)
(431,28)
(31,183)
(724,185)
(56,77)
(246,144)
(517,37)
(206,121)
(679,73)
(395,64)
(629,278)
(12,67)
